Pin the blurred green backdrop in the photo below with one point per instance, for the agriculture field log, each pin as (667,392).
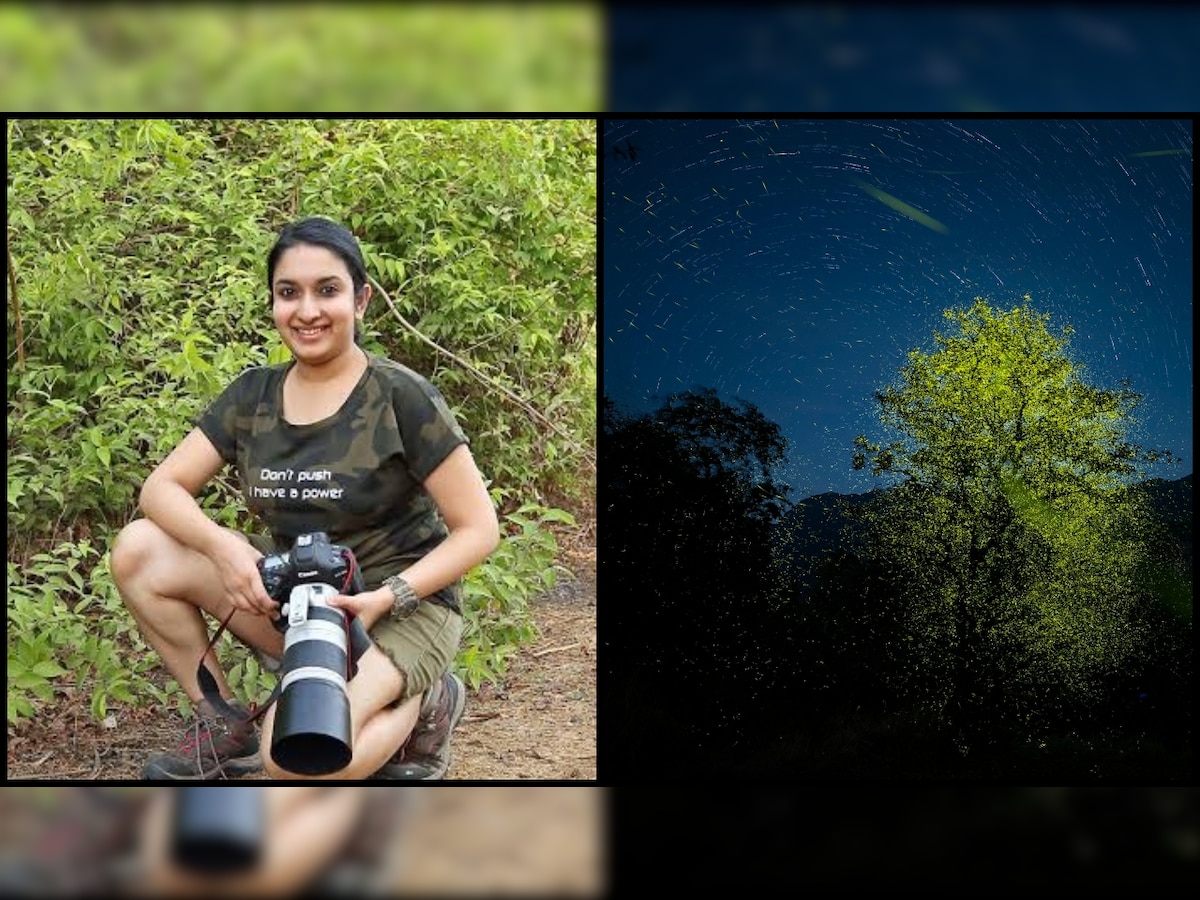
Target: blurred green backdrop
(291,57)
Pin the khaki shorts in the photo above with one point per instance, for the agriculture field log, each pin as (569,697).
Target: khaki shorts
(422,647)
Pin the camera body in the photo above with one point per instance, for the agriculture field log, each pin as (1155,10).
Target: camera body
(312,733)
(312,560)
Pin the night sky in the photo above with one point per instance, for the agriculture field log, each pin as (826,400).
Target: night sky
(766,258)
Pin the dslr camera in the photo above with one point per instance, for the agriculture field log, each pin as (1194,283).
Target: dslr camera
(312,733)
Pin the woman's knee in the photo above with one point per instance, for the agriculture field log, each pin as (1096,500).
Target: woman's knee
(133,549)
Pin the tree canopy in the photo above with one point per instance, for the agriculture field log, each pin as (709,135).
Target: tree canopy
(1018,544)
(689,498)
(695,435)
(1000,400)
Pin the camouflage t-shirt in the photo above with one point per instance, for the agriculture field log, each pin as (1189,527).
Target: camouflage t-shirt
(356,475)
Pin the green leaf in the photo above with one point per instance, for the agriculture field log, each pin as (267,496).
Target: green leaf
(27,680)
(120,689)
(234,675)
(99,703)
(18,708)
(49,669)
(558,515)
(16,488)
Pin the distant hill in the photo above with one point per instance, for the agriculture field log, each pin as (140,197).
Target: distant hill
(816,526)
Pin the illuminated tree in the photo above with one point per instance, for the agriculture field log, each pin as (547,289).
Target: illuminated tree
(1013,533)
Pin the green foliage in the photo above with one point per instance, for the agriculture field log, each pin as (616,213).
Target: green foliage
(139,254)
(69,633)
(1015,539)
(1002,397)
(496,595)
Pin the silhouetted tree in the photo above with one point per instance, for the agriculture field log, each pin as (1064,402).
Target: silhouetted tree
(689,497)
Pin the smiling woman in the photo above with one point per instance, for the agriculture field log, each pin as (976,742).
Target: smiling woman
(399,489)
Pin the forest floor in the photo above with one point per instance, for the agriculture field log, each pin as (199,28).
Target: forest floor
(538,722)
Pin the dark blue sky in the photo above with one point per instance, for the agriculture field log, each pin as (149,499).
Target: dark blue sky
(911,57)
(765,258)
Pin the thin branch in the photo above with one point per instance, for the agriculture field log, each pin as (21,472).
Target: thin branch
(12,280)
(558,649)
(588,456)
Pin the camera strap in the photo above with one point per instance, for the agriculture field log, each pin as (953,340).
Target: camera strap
(357,638)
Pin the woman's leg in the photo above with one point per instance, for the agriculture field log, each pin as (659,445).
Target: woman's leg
(165,585)
(423,646)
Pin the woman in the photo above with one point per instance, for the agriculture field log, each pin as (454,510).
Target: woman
(340,441)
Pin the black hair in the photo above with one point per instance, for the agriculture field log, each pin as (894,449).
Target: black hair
(323,233)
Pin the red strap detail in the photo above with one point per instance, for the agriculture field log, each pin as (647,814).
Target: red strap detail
(212,693)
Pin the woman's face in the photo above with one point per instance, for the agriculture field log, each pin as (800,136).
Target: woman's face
(314,304)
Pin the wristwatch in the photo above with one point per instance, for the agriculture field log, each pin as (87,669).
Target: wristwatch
(404,598)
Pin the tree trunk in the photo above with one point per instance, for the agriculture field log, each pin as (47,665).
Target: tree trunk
(964,704)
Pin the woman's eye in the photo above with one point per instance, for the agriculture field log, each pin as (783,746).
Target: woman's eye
(328,290)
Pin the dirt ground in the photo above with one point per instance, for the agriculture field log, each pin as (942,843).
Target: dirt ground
(538,723)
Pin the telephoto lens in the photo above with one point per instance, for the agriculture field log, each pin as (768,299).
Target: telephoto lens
(218,830)
(312,733)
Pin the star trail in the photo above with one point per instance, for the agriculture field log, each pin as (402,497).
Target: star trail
(794,263)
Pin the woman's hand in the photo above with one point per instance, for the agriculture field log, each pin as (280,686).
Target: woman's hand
(370,606)
(237,562)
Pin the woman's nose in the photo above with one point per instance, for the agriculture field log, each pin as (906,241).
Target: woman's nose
(307,307)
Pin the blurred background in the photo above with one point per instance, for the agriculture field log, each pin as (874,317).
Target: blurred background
(578,57)
(456,841)
(856,57)
(934,841)
(291,57)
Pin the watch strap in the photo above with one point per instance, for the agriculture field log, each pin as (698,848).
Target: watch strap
(404,598)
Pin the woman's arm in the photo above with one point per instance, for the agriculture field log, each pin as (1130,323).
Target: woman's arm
(168,498)
(462,498)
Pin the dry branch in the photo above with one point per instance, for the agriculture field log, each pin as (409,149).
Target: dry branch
(12,280)
(558,649)
(588,456)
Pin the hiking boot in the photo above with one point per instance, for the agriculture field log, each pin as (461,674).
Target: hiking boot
(213,746)
(425,756)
